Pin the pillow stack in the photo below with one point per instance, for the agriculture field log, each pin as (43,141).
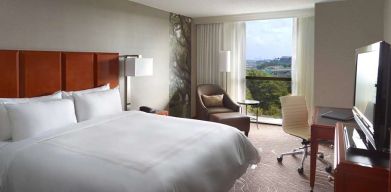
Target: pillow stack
(69,94)
(97,104)
(22,118)
(5,124)
(30,119)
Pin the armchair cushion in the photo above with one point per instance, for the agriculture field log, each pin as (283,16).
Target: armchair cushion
(213,100)
(212,110)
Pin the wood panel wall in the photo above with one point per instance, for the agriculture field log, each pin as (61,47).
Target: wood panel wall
(78,70)
(38,73)
(9,74)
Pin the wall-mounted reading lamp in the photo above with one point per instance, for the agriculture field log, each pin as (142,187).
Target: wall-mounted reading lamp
(135,66)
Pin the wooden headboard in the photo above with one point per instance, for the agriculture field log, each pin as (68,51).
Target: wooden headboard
(37,73)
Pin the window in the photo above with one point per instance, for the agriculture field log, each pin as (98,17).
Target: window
(268,66)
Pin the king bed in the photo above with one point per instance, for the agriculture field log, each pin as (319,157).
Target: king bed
(81,141)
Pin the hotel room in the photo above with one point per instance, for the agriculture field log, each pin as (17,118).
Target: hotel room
(195,96)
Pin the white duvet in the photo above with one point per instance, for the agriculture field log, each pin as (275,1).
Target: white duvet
(132,151)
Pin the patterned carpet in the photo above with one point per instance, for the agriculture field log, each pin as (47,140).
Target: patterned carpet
(272,176)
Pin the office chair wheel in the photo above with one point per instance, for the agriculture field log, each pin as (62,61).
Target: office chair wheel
(328,169)
(279,159)
(300,170)
(321,156)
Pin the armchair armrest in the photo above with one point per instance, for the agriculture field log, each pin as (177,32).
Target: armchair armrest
(202,111)
(231,104)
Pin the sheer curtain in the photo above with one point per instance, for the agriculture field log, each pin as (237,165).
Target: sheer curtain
(209,43)
(235,41)
(213,38)
(303,62)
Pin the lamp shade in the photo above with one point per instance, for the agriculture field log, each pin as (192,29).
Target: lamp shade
(225,61)
(139,67)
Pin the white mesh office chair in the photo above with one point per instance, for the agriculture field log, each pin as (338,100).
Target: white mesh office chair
(295,122)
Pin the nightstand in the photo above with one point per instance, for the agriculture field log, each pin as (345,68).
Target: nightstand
(162,112)
(155,111)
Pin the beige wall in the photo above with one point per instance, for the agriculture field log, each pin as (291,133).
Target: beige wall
(387,21)
(94,25)
(340,28)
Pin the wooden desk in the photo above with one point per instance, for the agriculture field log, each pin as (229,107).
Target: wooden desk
(359,171)
(321,129)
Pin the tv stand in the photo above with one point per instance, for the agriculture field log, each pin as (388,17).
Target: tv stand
(356,168)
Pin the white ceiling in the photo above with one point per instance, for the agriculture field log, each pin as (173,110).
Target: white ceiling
(206,8)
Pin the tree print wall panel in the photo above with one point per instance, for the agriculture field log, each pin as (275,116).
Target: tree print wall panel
(180,65)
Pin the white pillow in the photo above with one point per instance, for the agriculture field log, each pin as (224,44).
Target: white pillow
(68,94)
(30,119)
(5,129)
(97,104)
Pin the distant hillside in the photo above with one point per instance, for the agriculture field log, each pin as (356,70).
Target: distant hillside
(284,62)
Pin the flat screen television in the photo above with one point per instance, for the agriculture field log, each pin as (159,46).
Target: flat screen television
(372,94)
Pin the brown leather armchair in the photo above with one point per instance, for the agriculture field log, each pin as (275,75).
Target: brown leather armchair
(211,89)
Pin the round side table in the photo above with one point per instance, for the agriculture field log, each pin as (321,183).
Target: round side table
(250,103)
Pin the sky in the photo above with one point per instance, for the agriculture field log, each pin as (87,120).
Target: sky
(269,39)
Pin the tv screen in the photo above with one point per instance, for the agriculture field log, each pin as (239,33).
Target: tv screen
(371,97)
(366,80)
